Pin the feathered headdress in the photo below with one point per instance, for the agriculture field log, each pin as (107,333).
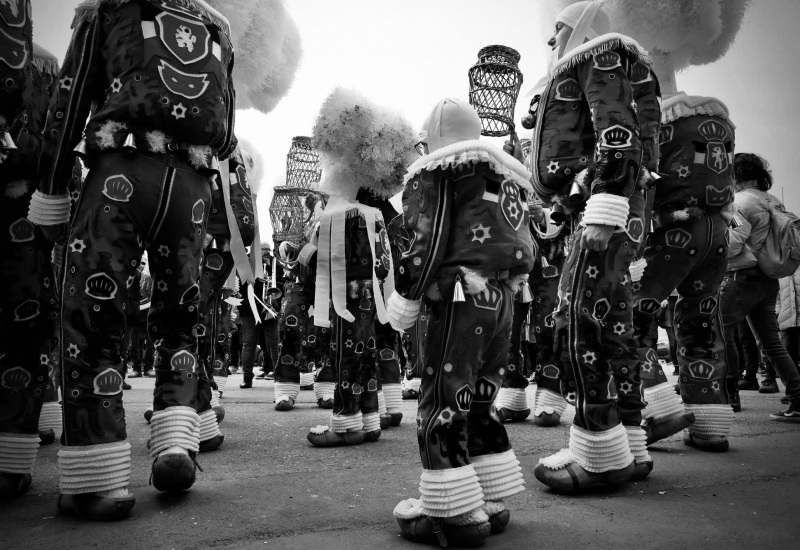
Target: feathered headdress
(679,33)
(361,145)
(268,50)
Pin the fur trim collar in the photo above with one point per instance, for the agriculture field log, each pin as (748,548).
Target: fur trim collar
(44,61)
(474,151)
(88,10)
(604,42)
(17,189)
(681,105)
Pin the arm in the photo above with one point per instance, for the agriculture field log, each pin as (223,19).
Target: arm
(607,88)
(230,138)
(78,85)
(755,228)
(428,204)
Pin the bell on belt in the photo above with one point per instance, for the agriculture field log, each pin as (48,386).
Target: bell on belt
(557,214)
(130,144)
(458,291)
(525,295)
(577,194)
(80,149)
(6,143)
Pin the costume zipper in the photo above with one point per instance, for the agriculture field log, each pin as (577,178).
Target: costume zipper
(572,335)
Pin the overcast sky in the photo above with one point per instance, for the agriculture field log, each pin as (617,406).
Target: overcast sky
(411,53)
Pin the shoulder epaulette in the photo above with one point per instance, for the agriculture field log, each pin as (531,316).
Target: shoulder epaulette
(605,42)
(87,11)
(44,61)
(682,105)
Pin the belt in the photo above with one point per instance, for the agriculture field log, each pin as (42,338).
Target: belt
(501,275)
(748,274)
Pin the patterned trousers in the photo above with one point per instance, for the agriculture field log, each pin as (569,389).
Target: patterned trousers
(594,329)
(353,353)
(467,348)
(692,257)
(130,202)
(27,319)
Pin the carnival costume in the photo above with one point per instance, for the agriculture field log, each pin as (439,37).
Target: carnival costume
(688,252)
(465,209)
(361,145)
(27,306)
(589,93)
(158,74)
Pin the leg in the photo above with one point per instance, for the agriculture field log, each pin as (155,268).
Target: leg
(512,402)
(26,324)
(766,328)
(456,417)
(249,339)
(702,349)
(388,343)
(292,356)
(175,251)
(549,404)
(592,350)
(354,413)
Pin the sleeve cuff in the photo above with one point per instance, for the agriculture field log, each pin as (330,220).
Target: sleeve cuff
(637,269)
(402,313)
(306,254)
(49,209)
(606,209)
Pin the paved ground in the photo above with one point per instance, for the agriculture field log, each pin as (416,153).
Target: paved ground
(268,488)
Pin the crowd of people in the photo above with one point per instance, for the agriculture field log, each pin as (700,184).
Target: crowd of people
(132,242)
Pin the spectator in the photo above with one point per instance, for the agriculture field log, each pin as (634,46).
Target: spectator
(748,291)
(789,315)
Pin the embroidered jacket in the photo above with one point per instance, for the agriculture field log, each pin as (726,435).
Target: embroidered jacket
(697,145)
(588,124)
(465,212)
(16,47)
(351,244)
(154,71)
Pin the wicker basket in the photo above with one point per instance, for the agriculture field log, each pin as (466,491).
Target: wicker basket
(288,214)
(494,83)
(302,163)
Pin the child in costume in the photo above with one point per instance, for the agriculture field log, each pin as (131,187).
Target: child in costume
(27,302)
(361,146)
(465,209)
(589,92)
(158,73)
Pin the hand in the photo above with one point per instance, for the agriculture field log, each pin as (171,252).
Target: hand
(513,148)
(55,233)
(596,236)
(536,212)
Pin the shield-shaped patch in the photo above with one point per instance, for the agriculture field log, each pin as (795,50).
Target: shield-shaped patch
(13,52)
(186,39)
(13,12)
(511,205)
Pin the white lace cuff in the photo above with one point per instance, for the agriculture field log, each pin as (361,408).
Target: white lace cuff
(49,209)
(606,209)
